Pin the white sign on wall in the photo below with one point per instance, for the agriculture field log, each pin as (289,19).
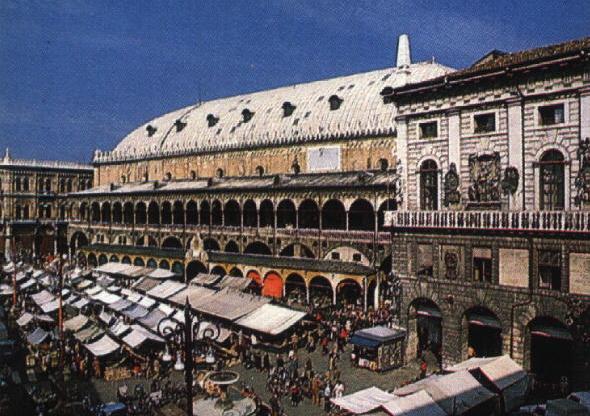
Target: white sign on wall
(580,273)
(323,159)
(514,267)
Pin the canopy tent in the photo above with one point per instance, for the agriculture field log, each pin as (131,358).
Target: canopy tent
(45,280)
(105,317)
(458,393)
(24,319)
(238,283)
(44,318)
(120,305)
(9,268)
(139,335)
(509,378)
(37,336)
(106,297)
(147,302)
(50,306)
(223,335)
(136,312)
(65,292)
(20,276)
(162,274)
(152,319)
(166,289)
(134,297)
(84,284)
(205,279)
(72,299)
(119,328)
(379,348)
(166,309)
(375,336)
(6,290)
(146,284)
(363,401)
(76,323)
(103,346)
(417,404)
(196,295)
(80,303)
(111,268)
(105,281)
(87,334)
(93,290)
(416,386)
(27,284)
(271,319)
(126,292)
(230,305)
(38,273)
(114,288)
(42,297)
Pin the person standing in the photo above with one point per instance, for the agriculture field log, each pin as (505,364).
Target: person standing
(327,396)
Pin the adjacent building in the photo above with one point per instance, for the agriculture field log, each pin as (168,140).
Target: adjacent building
(35,208)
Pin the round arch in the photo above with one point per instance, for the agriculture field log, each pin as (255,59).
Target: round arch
(166,213)
(153,213)
(272,285)
(138,262)
(92,261)
(102,259)
(164,264)
(297,250)
(349,292)
(216,213)
(210,244)
(424,328)
(286,214)
(218,270)
(256,281)
(249,214)
(231,213)
(140,213)
(95,212)
(178,269)
(231,247)
(295,288)
(152,264)
(235,272)
(309,214)
(114,259)
(192,214)
(333,215)
(193,268)
(548,349)
(172,243)
(146,241)
(105,212)
(78,240)
(126,260)
(320,291)
(266,214)
(178,213)
(361,216)
(481,333)
(205,213)
(258,247)
(117,213)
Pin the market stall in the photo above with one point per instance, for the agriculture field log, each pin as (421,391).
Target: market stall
(379,348)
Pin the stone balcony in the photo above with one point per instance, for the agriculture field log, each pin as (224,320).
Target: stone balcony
(549,221)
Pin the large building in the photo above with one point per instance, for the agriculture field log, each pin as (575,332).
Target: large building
(485,168)
(34,208)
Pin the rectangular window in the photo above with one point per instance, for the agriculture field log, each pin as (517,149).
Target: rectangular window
(356,257)
(425,260)
(551,114)
(549,269)
(482,264)
(484,123)
(335,256)
(429,130)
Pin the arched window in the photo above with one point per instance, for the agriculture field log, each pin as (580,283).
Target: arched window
(428,185)
(552,181)
(259,171)
(219,173)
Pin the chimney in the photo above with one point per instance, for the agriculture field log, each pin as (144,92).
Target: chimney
(403,52)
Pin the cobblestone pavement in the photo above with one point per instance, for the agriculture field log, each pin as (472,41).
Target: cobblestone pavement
(354,379)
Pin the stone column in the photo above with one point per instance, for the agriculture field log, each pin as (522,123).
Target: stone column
(402,156)
(516,152)
(377,294)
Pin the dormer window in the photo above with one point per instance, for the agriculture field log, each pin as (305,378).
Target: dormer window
(180,125)
(193,175)
(151,130)
(387,94)
(288,109)
(335,102)
(219,173)
(247,115)
(212,120)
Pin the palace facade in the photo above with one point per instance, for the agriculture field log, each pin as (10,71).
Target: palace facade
(34,208)
(462,197)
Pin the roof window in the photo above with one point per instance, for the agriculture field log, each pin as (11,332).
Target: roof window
(151,130)
(212,120)
(288,109)
(180,125)
(247,115)
(335,102)
(387,94)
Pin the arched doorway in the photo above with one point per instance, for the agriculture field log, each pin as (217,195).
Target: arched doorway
(273,285)
(164,264)
(349,292)
(256,279)
(549,349)
(361,216)
(218,270)
(193,268)
(424,328)
(257,247)
(92,261)
(320,291)
(295,289)
(333,215)
(102,259)
(483,332)
(178,269)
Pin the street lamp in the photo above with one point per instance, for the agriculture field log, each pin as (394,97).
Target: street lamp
(187,334)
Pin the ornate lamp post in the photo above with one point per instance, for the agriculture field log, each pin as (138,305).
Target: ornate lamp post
(186,334)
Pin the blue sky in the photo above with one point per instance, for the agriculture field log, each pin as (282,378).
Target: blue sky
(77,75)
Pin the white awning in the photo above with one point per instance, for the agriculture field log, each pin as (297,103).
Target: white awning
(147,302)
(111,268)
(139,335)
(38,273)
(119,328)
(50,306)
(80,304)
(363,401)
(106,297)
(102,346)
(24,319)
(166,309)
(27,284)
(166,289)
(42,297)
(20,276)
(162,274)
(417,404)
(76,323)
(93,290)
(134,297)
(271,319)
